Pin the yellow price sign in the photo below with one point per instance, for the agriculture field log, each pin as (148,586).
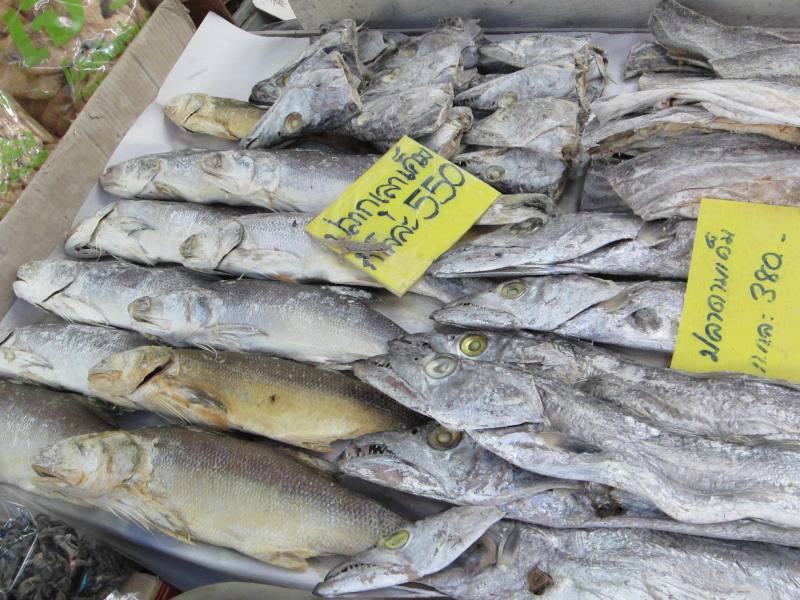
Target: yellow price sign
(740,309)
(408,209)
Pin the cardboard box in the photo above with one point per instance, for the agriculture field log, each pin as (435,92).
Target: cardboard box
(44,212)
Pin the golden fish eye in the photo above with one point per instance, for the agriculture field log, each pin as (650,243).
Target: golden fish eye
(397,539)
(494,173)
(293,122)
(364,118)
(473,344)
(408,51)
(440,366)
(442,438)
(512,290)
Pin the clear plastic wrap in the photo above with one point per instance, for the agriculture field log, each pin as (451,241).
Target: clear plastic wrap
(54,54)
(24,146)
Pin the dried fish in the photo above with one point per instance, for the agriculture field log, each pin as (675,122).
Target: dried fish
(516,170)
(542,81)
(642,314)
(447,139)
(648,57)
(601,243)
(672,180)
(224,118)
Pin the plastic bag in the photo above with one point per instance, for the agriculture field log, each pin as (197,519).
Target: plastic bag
(24,146)
(54,53)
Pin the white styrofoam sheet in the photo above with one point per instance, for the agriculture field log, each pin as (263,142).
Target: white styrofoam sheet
(220,60)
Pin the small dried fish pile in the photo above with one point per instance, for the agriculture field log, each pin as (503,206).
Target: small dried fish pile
(513,560)
(710,93)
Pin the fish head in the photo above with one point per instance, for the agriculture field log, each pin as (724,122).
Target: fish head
(120,374)
(424,460)
(38,280)
(81,240)
(472,344)
(499,308)
(178,314)
(131,178)
(183,106)
(460,394)
(407,554)
(204,251)
(89,465)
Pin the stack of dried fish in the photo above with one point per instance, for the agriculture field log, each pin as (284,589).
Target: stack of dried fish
(581,471)
(717,115)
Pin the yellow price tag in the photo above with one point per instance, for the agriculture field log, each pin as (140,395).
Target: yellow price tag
(740,309)
(408,209)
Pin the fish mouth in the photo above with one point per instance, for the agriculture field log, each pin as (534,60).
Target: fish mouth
(355,577)
(467,314)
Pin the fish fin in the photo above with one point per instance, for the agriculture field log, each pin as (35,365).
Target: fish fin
(208,248)
(508,547)
(131,225)
(316,463)
(232,332)
(351,293)
(89,313)
(25,359)
(565,443)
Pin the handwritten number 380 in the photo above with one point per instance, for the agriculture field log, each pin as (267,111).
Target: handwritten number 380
(770,261)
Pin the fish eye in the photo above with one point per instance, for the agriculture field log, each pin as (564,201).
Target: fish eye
(512,290)
(473,344)
(293,122)
(397,539)
(408,51)
(391,76)
(507,100)
(442,438)
(440,366)
(285,79)
(495,173)
(538,581)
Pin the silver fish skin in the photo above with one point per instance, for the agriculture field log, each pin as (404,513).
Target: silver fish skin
(317,98)
(142,231)
(371,45)
(672,180)
(641,315)
(652,81)
(415,112)
(686,33)
(731,407)
(437,57)
(342,37)
(276,246)
(543,49)
(638,134)
(593,243)
(548,126)
(516,208)
(267,245)
(527,562)
(577,436)
(390,561)
(516,170)
(60,356)
(210,487)
(744,101)
(96,293)
(302,322)
(447,139)
(303,180)
(649,57)
(541,81)
(780,64)
(33,417)
(435,462)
